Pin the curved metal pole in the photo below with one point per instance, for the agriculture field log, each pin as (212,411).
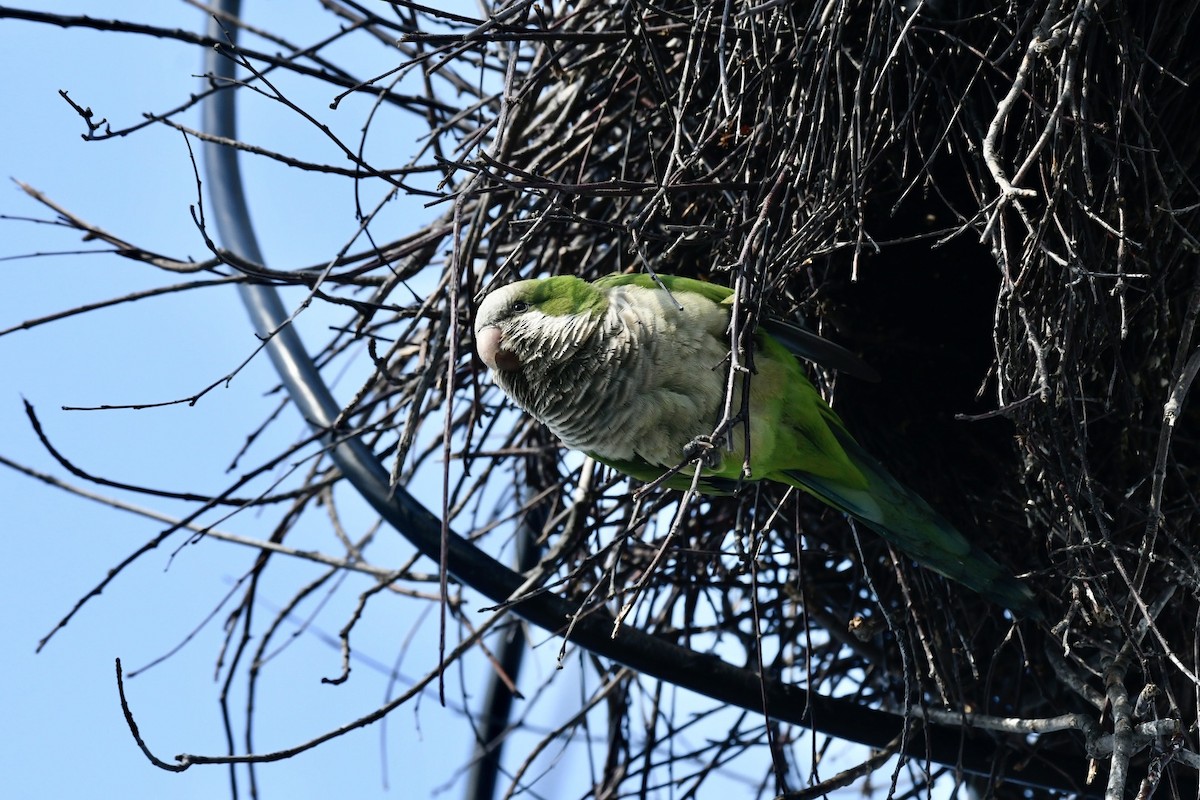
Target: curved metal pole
(706,675)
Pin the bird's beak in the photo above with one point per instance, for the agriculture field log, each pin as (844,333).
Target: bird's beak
(488,344)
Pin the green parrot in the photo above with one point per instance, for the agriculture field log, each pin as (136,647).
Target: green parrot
(633,373)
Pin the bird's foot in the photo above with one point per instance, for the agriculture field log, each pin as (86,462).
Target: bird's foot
(704,449)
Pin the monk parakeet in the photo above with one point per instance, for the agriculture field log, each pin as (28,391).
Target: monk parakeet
(634,375)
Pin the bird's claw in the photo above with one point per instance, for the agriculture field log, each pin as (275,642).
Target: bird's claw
(704,449)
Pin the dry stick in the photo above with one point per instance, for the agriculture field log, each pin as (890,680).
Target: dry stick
(906,665)
(1118,700)
(225,536)
(363,169)
(1155,770)
(1083,15)
(481,34)
(722,59)
(420,392)
(741,358)
(70,466)
(1069,677)
(723,753)
(926,646)
(187,37)
(206,504)
(469,642)
(1039,353)
(185,760)
(360,170)
(677,523)
(1150,614)
(848,776)
(296,51)
(278,96)
(498,669)
(132,297)
(1008,192)
(124,248)
(778,761)
(458,268)
(304,275)
(618,678)
(355,616)
(1186,374)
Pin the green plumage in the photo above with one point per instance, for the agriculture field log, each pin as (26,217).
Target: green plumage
(633,374)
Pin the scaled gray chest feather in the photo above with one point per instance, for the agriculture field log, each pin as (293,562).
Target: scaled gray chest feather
(646,381)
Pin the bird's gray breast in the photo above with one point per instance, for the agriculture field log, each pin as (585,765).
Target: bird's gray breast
(648,379)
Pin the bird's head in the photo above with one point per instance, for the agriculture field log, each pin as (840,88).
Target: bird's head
(532,321)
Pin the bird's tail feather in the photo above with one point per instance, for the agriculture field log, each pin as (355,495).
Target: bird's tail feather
(904,519)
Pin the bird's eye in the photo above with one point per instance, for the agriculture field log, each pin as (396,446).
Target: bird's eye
(520,306)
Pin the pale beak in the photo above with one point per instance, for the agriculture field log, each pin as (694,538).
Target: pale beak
(487,344)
